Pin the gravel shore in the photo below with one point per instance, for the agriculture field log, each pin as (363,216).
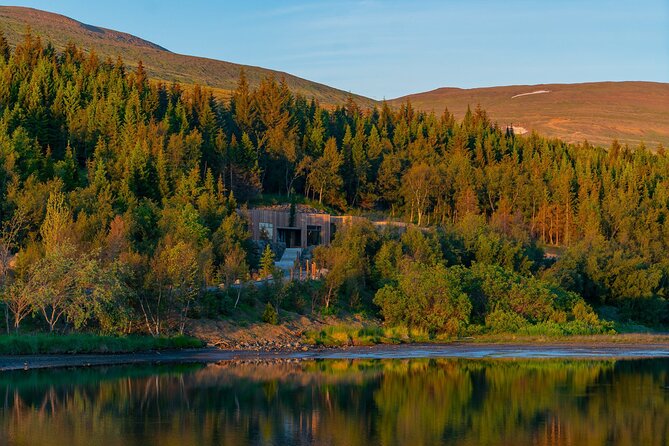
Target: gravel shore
(600,350)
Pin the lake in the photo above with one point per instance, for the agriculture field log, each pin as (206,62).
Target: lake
(284,401)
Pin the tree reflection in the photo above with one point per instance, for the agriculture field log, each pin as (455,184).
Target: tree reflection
(342,402)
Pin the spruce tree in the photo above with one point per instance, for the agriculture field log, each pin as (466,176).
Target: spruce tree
(267,266)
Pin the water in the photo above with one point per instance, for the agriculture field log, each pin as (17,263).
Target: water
(411,401)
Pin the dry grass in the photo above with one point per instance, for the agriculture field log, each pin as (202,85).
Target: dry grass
(159,62)
(597,339)
(599,112)
(370,333)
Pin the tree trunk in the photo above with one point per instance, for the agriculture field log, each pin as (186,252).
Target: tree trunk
(239,293)
(557,225)
(146,316)
(327,298)
(157,317)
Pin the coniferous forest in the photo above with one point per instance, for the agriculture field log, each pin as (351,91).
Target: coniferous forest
(119,198)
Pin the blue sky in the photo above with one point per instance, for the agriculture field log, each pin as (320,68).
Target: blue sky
(385,49)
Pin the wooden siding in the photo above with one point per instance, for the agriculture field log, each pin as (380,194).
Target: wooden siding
(281,219)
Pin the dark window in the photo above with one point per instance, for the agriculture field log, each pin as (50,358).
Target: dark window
(313,235)
(290,236)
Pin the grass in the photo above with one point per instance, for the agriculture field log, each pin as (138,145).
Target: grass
(600,111)
(267,199)
(162,65)
(34,344)
(593,339)
(372,334)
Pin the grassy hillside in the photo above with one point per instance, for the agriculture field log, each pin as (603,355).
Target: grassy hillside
(160,63)
(598,112)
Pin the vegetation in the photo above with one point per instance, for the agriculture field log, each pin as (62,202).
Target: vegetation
(88,343)
(270,315)
(119,198)
(572,112)
(160,63)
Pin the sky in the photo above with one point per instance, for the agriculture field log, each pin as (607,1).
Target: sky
(385,49)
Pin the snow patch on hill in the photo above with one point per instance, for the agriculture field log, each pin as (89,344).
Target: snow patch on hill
(532,92)
(517,130)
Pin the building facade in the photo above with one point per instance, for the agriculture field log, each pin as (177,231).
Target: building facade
(300,228)
(304,226)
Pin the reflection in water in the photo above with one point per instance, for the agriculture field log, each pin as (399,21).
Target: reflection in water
(342,402)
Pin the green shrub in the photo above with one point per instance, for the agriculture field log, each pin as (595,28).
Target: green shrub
(500,321)
(393,304)
(297,296)
(428,298)
(570,328)
(583,312)
(213,305)
(270,316)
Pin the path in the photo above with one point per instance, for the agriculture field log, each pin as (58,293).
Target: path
(290,258)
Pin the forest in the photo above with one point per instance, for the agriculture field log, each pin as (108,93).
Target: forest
(119,199)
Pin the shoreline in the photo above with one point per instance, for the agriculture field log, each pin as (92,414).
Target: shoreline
(552,349)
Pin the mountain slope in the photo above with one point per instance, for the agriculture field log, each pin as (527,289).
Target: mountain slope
(600,111)
(159,62)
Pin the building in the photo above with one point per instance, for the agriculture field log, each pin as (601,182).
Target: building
(300,228)
(304,226)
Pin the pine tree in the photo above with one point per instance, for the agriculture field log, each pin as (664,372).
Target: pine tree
(241,104)
(267,267)
(4,47)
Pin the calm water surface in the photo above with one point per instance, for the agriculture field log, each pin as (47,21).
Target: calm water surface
(342,402)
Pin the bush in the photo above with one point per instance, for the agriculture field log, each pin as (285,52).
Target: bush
(393,304)
(297,296)
(500,321)
(213,305)
(428,298)
(570,328)
(583,313)
(270,316)
(448,301)
(651,311)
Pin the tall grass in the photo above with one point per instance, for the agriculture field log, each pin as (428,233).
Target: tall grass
(372,334)
(34,344)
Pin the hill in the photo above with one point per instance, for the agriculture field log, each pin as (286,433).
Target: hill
(161,63)
(600,111)
(629,111)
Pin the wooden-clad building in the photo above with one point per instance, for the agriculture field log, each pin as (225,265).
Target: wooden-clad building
(302,227)
(299,228)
